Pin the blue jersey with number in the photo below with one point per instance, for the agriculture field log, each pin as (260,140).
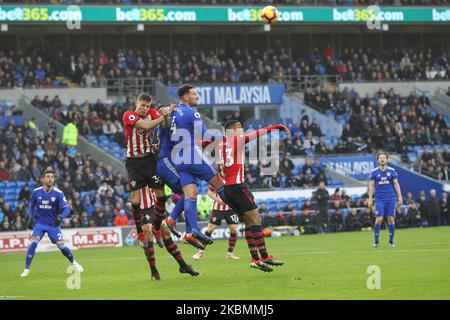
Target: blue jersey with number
(384,183)
(46,206)
(186,127)
(186,133)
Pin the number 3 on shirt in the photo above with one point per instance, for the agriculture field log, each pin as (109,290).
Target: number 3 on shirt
(229,157)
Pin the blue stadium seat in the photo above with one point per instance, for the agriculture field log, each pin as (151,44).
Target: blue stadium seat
(281,203)
(2,185)
(412,157)
(21,184)
(429,148)
(19,120)
(10,198)
(10,185)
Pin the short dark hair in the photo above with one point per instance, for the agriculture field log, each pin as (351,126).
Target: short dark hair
(382,153)
(145,97)
(183,90)
(48,170)
(231,123)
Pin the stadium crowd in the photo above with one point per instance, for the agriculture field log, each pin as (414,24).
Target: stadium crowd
(384,121)
(238,2)
(39,68)
(27,150)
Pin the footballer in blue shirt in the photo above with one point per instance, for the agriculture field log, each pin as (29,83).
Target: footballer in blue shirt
(187,132)
(388,196)
(48,207)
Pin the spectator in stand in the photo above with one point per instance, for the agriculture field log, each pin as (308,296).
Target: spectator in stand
(321,196)
(336,218)
(444,203)
(263,208)
(269,220)
(100,219)
(433,209)
(308,221)
(294,219)
(353,221)
(409,200)
(84,220)
(413,216)
(25,194)
(121,220)
(336,196)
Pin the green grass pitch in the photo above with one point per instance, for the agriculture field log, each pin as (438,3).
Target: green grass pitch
(329,266)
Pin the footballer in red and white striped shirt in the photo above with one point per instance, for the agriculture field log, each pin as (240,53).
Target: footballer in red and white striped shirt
(240,198)
(141,166)
(138,139)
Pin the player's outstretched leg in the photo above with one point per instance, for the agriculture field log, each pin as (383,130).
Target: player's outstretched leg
(68,254)
(190,212)
(208,233)
(172,248)
(30,255)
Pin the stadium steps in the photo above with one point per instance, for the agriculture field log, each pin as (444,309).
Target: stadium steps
(294,102)
(337,177)
(441,102)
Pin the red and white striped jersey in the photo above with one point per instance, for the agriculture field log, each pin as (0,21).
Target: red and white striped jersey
(217,206)
(148,198)
(232,153)
(138,141)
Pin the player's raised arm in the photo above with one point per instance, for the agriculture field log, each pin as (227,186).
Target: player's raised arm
(148,125)
(166,112)
(262,132)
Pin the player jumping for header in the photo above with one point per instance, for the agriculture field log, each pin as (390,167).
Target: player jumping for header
(45,214)
(186,133)
(384,181)
(141,166)
(232,151)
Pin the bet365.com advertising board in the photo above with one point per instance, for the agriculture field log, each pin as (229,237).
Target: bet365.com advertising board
(213,14)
